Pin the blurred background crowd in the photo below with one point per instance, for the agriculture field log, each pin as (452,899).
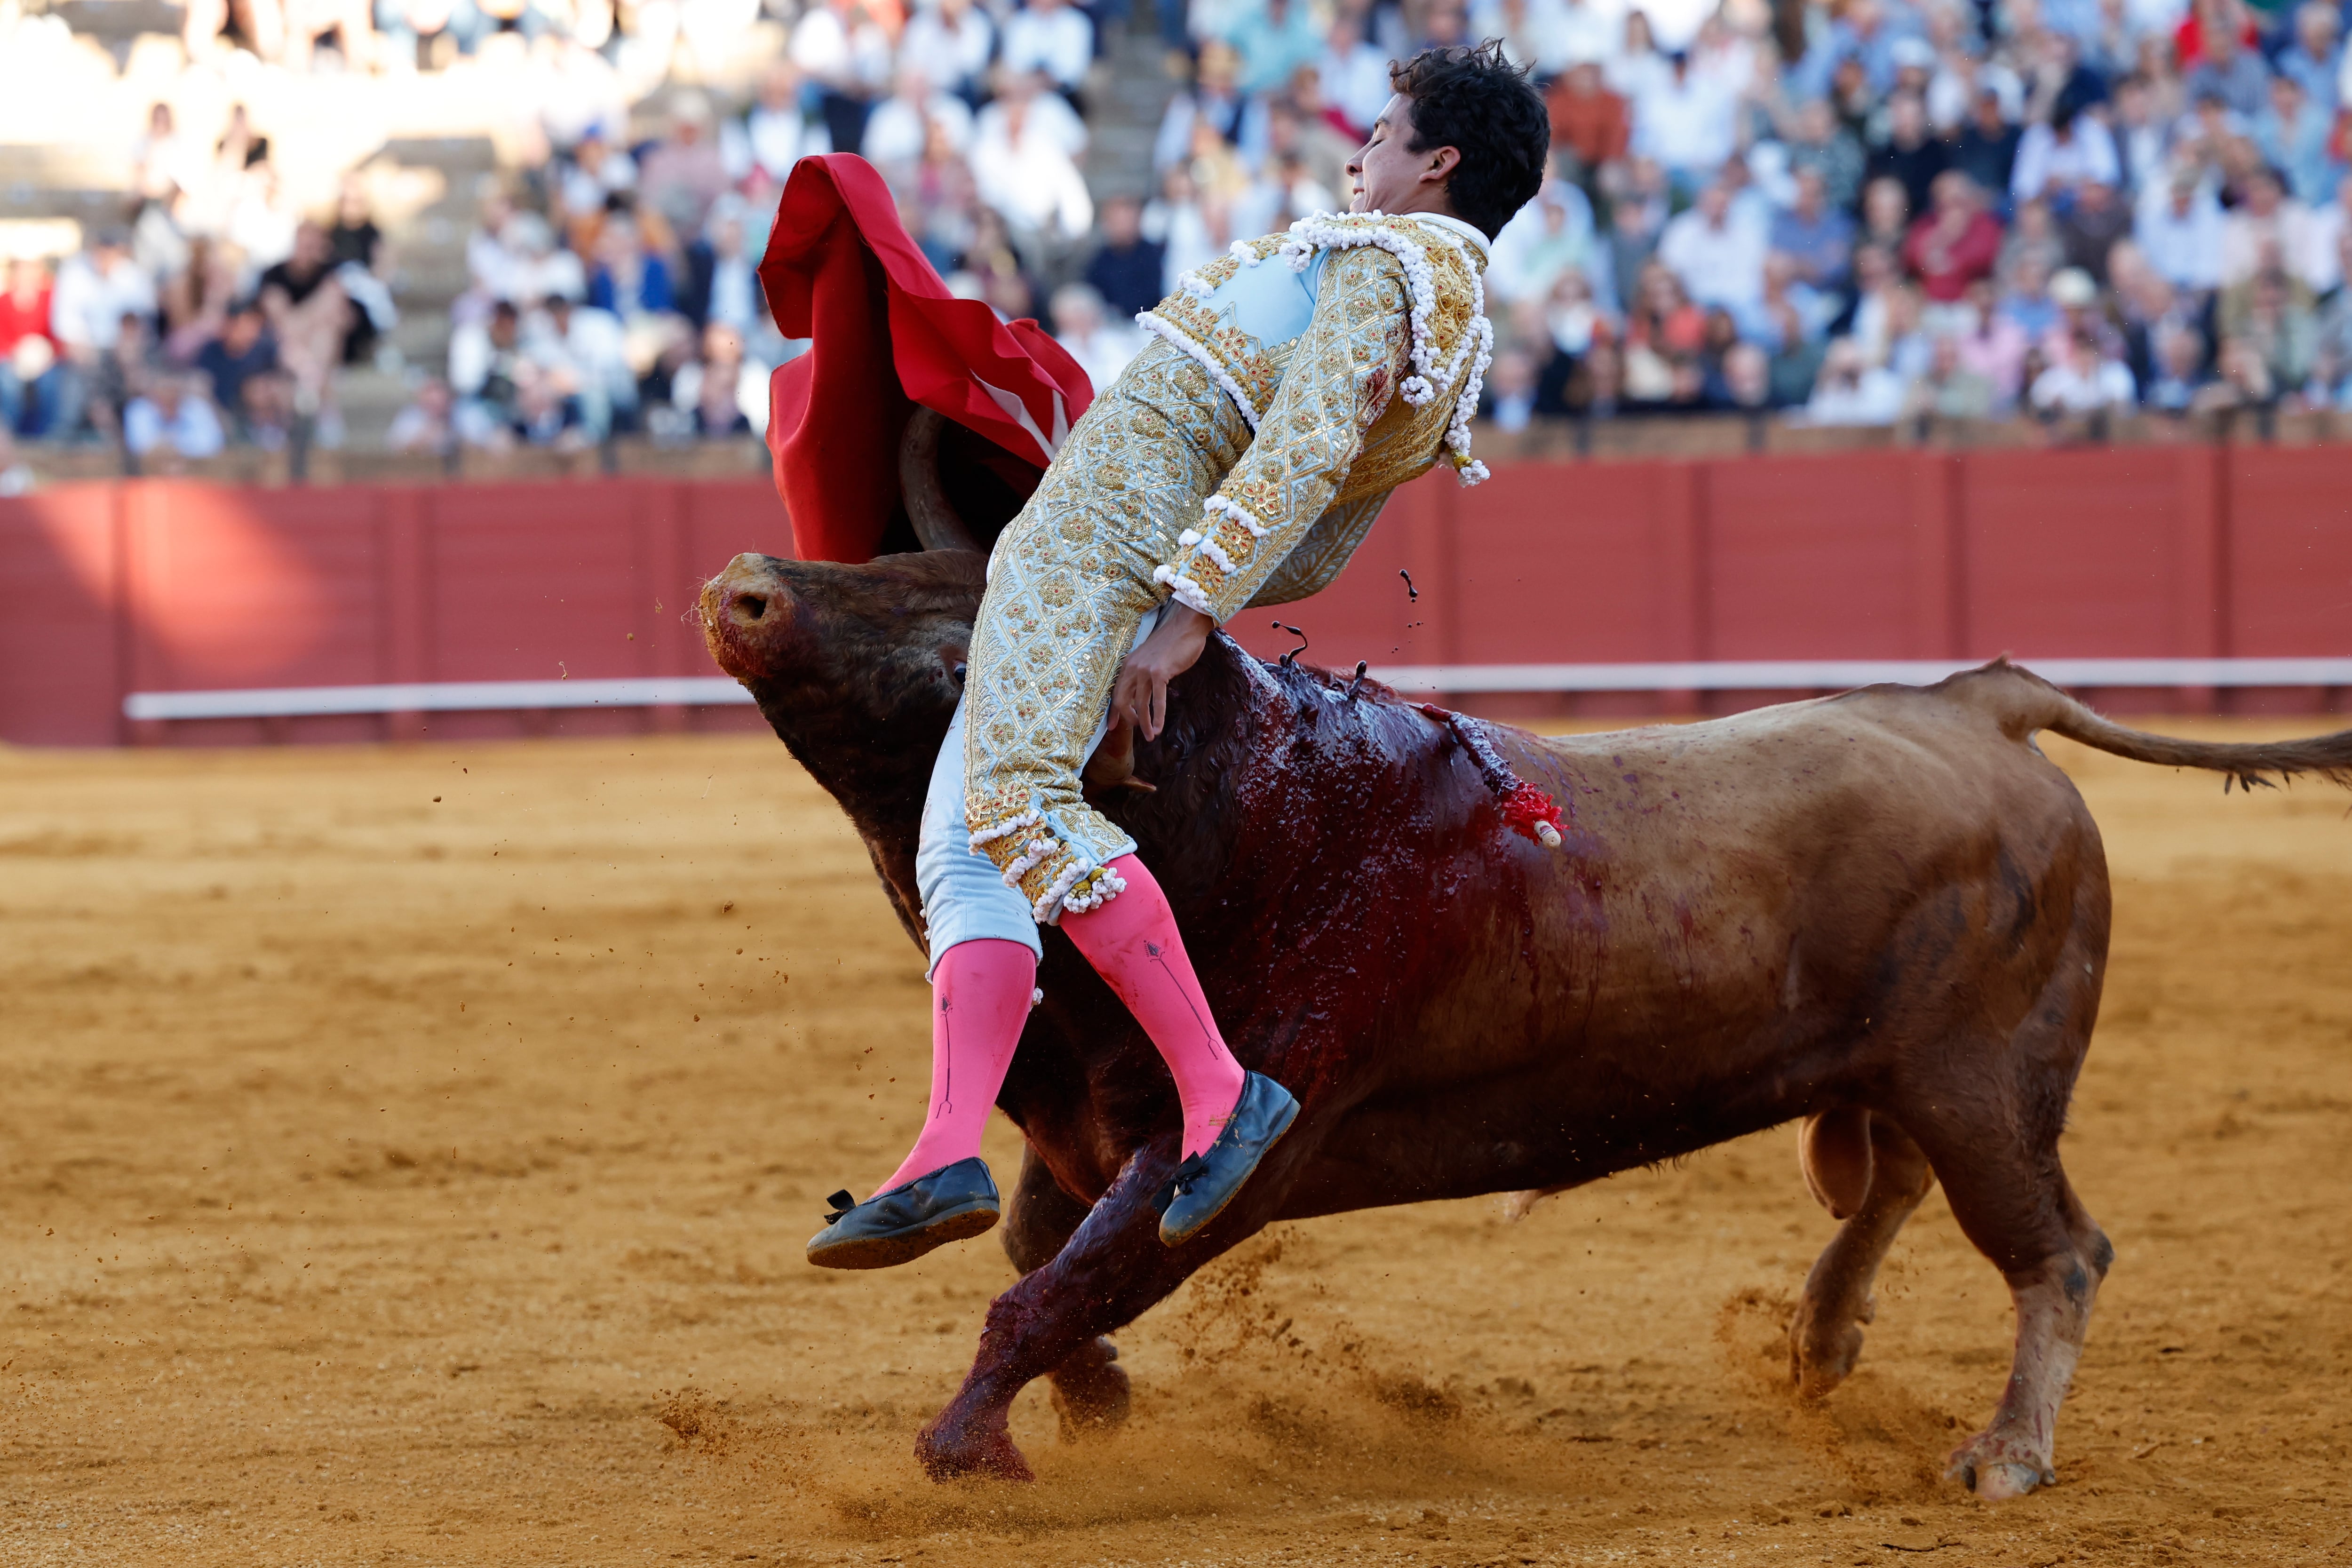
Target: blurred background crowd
(439,225)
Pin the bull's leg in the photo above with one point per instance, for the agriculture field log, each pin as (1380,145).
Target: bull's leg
(1991,1128)
(1090,1391)
(1869,1172)
(1110,1270)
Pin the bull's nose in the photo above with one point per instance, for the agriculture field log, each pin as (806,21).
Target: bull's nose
(747,608)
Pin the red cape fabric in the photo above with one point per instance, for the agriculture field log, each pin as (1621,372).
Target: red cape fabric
(885,334)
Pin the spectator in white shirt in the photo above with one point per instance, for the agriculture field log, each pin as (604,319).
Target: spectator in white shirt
(586,348)
(901,124)
(841,48)
(777,132)
(94,291)
(2083,377)
(1719,257)
(2328,228)
(2179,230)
(1023,163)
(1849,390)
(950,42)
(2066,151)
(2268,223)
(1052,37)
(1102,347)
(1687,121)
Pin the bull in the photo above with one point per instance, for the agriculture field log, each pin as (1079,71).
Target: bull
(1884,913)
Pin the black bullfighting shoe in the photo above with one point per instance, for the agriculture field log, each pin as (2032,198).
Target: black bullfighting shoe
(901,1225)
(1205,1183)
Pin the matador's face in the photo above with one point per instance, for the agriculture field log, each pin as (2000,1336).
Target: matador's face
(1391,178)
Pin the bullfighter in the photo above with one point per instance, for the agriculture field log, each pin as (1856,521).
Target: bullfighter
(1289,387)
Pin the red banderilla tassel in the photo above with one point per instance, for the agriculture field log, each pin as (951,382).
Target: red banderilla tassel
(1526,810)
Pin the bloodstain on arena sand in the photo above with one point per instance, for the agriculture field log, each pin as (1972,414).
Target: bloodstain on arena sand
(304,1263)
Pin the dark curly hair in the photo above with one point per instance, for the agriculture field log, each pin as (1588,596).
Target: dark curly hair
(1476,100)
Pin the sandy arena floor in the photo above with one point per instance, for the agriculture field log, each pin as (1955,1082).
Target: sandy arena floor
(407,1157)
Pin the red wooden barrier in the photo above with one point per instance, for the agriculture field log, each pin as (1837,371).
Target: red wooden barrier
(2189,551)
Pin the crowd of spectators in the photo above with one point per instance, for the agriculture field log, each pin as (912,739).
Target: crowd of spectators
(1933,208)
(1857,213)
(213,312)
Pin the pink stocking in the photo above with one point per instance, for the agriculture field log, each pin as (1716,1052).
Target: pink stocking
(979,999)
(1133,943)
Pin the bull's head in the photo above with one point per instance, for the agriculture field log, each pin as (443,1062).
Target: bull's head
(857,667)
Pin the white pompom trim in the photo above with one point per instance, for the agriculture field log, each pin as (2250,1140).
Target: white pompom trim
(1332,231)
(1185,591)
(1225,506)
(1005,830)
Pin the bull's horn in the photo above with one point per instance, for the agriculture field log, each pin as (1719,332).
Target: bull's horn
(936,523)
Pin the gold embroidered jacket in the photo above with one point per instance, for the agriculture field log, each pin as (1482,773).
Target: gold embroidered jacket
(1354,347)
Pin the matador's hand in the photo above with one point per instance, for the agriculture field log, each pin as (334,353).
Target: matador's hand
(1140,695)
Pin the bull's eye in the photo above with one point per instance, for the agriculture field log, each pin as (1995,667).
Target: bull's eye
(957,671)
(751,606)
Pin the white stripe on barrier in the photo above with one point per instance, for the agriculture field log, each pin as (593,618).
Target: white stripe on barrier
(435,697)
(1759,675)
(1838,675)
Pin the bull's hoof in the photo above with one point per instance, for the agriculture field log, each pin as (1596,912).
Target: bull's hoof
(1090,1392)
(1996,1470)
(951,1449)
(1822,1354)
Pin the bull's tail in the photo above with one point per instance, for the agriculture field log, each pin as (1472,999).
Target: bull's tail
(2022,702)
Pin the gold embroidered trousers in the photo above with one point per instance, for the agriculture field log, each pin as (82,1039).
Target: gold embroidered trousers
(1070,583)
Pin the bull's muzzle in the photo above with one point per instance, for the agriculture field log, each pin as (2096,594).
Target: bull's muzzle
(742,608)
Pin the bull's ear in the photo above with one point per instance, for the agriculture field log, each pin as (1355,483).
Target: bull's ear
(936,523)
